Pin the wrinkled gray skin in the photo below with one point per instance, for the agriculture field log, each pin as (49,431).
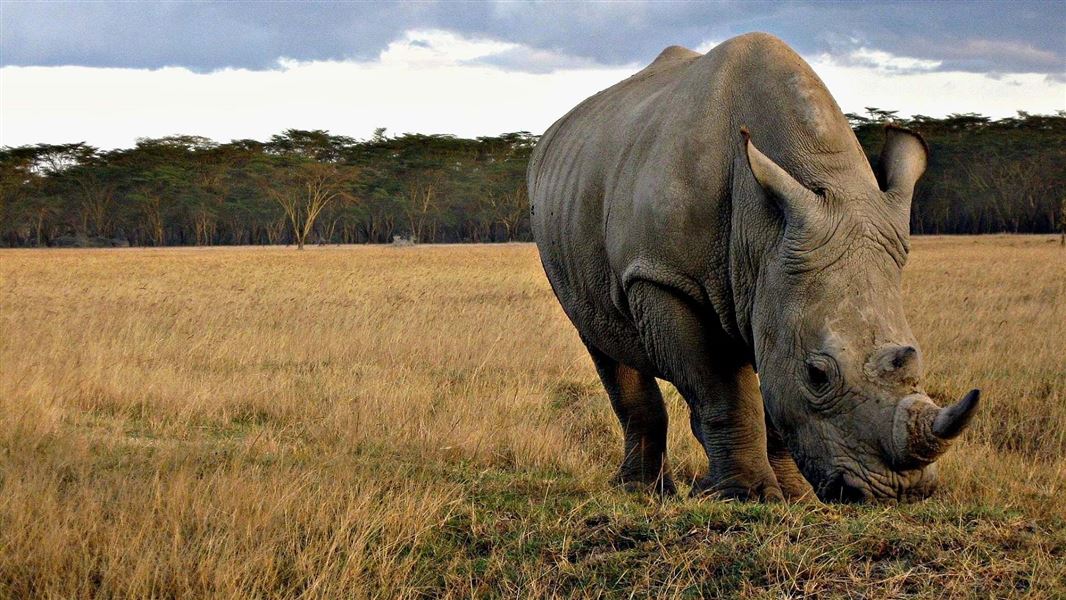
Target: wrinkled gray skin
(680,250)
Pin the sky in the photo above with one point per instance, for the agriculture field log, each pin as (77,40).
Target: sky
(108,73)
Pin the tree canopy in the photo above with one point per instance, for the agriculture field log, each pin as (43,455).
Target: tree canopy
(312,186)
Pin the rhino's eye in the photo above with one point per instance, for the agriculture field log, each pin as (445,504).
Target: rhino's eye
(817,377)
(820,374)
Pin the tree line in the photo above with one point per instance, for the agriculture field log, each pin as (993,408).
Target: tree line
(304,187)
(984,175)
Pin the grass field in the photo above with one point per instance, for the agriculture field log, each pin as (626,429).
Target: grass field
(423,421)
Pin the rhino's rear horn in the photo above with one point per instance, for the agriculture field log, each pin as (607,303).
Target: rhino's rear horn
(951,420)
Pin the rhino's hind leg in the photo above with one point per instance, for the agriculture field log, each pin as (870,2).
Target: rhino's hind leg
(639,406)
(721,390)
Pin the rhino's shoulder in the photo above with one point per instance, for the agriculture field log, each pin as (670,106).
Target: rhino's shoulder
(672,54)
(667,64)
(756,43)
(763,45)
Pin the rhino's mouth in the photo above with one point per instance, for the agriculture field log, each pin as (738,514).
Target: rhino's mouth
(895,465)
(836,488)
(846,486)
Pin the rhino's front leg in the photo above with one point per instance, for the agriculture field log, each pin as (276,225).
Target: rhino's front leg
(793,485)
(721,391)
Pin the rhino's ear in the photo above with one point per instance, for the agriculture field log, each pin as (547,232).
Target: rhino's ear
(796,201)
(903,160)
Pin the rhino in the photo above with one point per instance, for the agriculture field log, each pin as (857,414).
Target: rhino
(712,221)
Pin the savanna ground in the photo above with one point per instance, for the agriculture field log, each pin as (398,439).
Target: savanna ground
(423,421)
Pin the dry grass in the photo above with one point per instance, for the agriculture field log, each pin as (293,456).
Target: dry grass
(401,422)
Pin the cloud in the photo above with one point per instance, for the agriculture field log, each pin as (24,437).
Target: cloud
(533,60)
(975,55)
(884,62)
(979,37)
(436,48)
(427,81)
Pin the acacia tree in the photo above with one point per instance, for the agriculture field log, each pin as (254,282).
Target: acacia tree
(153,193)
(92,178)
(512,209)
(421,194)
(16,180)
(34,183)
(213,169)
(505,197)
(303,188)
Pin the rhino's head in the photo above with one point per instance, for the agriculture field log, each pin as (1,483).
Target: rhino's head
(840,370)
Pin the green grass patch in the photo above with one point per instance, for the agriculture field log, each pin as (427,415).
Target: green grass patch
(548,533)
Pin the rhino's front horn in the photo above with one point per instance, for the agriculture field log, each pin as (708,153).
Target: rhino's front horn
(950,421)
(922,431)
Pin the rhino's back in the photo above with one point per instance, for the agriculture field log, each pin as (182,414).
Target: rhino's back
(636,181)
(570,173)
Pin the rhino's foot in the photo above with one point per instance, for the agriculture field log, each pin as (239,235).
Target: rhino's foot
(793,485)
(756,489)
(663,486)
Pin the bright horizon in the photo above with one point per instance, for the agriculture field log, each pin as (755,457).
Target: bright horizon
(459,77)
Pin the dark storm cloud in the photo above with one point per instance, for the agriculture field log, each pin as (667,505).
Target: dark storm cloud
(984,37)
